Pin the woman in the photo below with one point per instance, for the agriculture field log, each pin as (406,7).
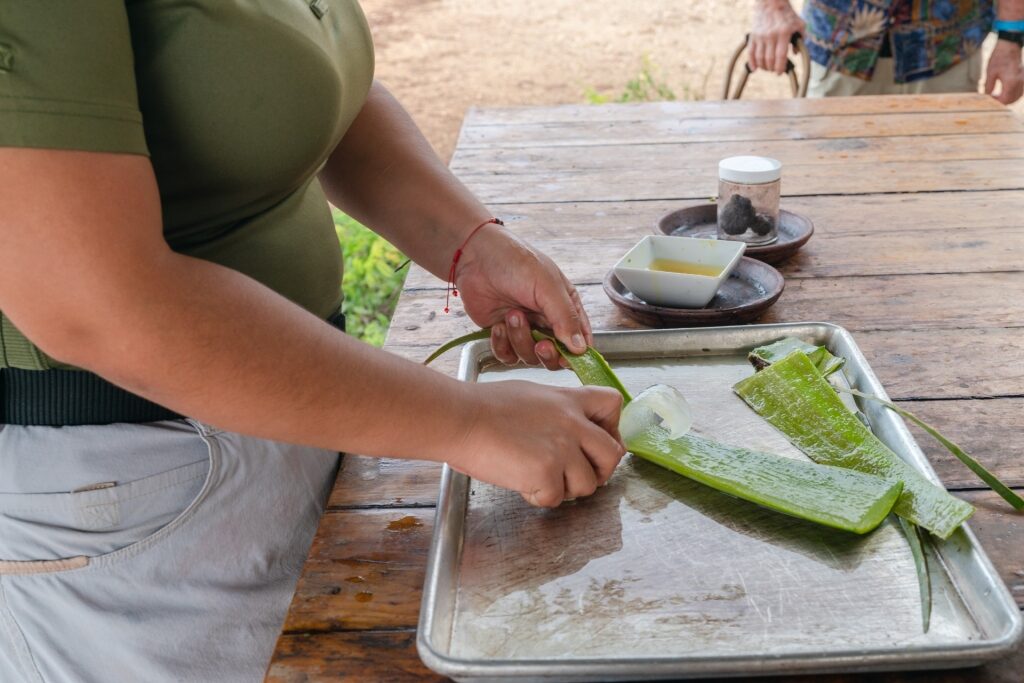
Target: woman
(165,169)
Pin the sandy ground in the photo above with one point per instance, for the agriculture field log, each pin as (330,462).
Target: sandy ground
(441,57)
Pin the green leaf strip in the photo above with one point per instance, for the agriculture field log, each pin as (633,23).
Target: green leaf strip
(459,341)
(913,534)
(999,487)
(792,395)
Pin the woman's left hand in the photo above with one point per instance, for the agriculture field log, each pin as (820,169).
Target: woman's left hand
(510,287)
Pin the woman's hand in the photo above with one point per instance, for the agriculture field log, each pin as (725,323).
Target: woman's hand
(775,22)
(508,286)
(548,444)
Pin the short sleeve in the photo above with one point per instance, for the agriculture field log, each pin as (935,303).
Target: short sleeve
(67,78)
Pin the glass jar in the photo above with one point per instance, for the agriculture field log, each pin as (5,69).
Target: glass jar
(748,199)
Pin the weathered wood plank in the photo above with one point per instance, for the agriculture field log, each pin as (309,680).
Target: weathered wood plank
(828,155)
(989,430)
(385,482)
(896,303)
(362,657)
(947,364)
(872,214)
(353,657)
(648,111)
(739,129)
(365,570)
(836,254)
(692,183)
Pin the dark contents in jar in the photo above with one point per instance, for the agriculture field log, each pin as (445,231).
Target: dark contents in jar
(762,224)
(737,214)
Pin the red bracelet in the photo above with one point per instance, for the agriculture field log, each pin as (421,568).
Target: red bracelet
(450,289)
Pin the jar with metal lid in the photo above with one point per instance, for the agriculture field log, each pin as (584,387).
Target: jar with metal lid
(748,199)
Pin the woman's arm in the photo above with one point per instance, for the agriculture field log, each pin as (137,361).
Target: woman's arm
(385,175)
(86,274)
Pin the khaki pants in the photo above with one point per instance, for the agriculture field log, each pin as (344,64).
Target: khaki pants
(963,77)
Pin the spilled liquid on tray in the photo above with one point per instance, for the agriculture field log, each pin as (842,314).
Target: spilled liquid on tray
(683,267)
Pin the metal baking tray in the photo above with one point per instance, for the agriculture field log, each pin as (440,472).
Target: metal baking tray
(656,576)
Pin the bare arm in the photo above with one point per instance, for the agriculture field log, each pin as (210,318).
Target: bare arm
(385,174)
(88,276)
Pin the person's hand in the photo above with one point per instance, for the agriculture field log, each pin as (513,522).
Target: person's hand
(549,444)
(508,286)
(775,22)
(1005,66)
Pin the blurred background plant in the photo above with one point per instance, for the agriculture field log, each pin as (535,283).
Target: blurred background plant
(371,285)
(648,86)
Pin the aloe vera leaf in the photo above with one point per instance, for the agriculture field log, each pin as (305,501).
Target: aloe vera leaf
(832,496)
(763,356)
(458,341)
(916,542)
(793,396)
(590,366)
(993,482)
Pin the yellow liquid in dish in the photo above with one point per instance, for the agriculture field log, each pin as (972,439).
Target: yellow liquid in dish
(671,266)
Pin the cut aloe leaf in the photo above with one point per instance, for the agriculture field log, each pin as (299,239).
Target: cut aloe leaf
(792,395)
(993,482)
(832,496)
(763,356)
(590,366)
(924,582)
(656,406)
(827,495)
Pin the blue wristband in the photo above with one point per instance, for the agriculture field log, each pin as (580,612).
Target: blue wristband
(1003,25)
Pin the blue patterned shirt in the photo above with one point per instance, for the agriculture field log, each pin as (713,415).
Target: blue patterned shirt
(927,37)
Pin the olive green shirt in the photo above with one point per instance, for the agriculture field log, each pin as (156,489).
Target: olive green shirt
(238,104)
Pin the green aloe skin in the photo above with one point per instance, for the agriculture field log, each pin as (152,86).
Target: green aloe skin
(831,496)
(792,395)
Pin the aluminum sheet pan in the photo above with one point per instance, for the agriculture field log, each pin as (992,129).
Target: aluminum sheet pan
(656,576)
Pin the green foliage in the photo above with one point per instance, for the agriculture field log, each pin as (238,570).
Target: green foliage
(648,87)
(371,285)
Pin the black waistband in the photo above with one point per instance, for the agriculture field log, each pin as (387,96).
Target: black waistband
(57,398)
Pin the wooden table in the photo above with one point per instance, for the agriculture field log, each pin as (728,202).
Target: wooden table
(918,204)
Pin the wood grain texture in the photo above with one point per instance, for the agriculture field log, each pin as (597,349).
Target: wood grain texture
(988,430)
(692,183)
(828,156)
(740,129)
(834,254)
(365,570)
(875,214)
(385,482)
(354,657)
(653,111)
(894,302)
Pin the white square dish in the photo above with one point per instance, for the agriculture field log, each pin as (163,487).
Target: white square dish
(679,290)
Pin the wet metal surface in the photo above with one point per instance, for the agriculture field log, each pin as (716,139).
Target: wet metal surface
(658,574)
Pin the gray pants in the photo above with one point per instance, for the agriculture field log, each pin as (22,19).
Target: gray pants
(158,552)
